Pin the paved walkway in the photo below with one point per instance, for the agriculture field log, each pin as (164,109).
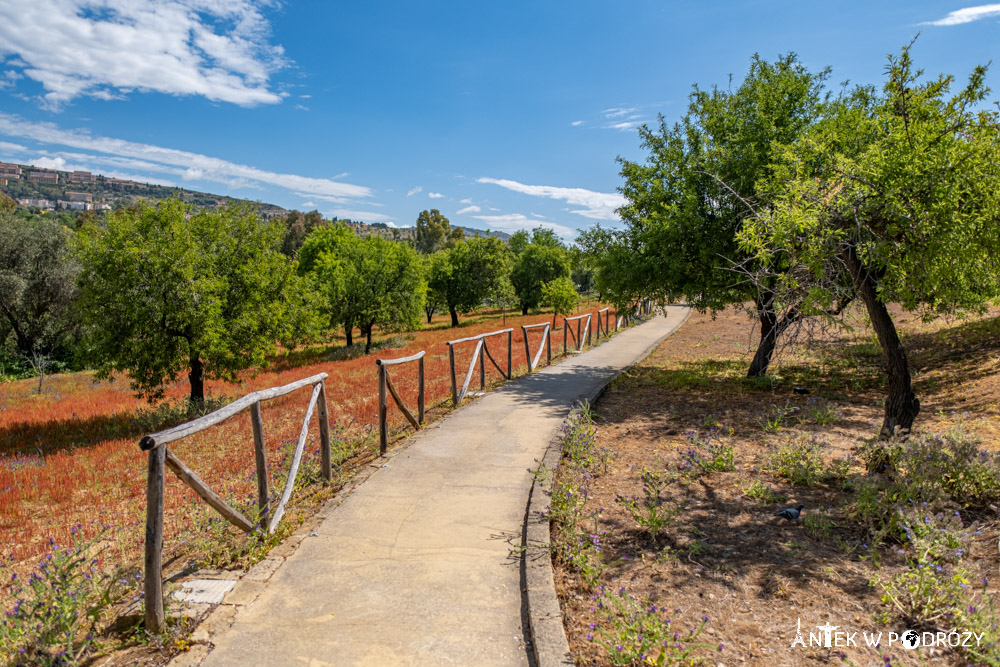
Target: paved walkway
(414,568)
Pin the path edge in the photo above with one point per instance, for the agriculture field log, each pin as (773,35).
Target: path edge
(549,644)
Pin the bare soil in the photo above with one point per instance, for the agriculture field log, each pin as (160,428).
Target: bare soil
(728,557)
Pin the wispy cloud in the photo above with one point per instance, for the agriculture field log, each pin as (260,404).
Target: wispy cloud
(187,165)
(468,209)
(360,216)
(435,195)
(967,15)
(577,123)
(619,112)
(413,191)
(596,205)
(514,222)
(218,49)
(465,201)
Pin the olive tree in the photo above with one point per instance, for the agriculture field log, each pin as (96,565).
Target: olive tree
(164,290)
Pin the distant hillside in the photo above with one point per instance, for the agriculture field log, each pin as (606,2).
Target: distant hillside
(50,189)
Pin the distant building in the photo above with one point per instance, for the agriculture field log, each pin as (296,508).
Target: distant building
(80,196)
(75,205)
(121,183)
(37,203)
(82,177)
(10,170)
(48,177)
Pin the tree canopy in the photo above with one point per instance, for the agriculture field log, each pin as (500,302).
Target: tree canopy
(434,232)
(465,275)
(701,180)
(560,295)
(537,264)
(165,289)
(898,191)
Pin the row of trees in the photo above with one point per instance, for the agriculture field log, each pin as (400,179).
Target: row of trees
(158,291)
(780,193)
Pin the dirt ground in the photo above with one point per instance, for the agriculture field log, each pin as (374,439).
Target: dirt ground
(727,556)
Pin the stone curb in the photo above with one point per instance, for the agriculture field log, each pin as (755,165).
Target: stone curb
(548,635)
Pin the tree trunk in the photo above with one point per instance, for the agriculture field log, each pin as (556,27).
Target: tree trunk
(349,334)
(197,378)
(524,309)
(771,329)
(454,316)
(430,315)
(901,404)
(368,338)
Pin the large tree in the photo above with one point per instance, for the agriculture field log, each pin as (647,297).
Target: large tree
(536,265)
(434,232)
(898,190)
(37,286)
(465,275)
(701,180)
(165,289)
(373,282)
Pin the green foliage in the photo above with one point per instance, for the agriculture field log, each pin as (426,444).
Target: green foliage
(560,295)
(777,417)
(700,181)
(37,288)
(465,275)
(298,226)
(761,492)
(54,616)
(799,461)
(164,289)
(434,232)
(534,266)
(708,453)
(652,512)
(372,282)
(640,632)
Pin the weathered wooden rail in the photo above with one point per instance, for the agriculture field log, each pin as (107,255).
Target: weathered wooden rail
(603,326)
(481,353)
(544,343)
(161,458)
(385,382)
(578,337)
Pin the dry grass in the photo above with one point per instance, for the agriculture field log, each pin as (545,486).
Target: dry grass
(727,556)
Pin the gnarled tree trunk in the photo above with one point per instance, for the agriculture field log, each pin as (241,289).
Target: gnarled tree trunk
(454,316)
(901,404)
(771,328)
(196,376)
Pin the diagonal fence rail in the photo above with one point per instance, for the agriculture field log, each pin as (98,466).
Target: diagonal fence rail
(160,458)
(384,383)
(544,343)
(603,325)
(481,353)
(579,338)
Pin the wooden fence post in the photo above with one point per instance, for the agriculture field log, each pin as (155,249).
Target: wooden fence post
(263,483)
(565,335)
(383,427)
(527,350)
(420,396)
(454,386)
(153,584)
(324,435)
(510,350)
(482,367)
(548,341)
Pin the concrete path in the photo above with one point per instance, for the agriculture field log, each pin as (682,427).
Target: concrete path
(414,567)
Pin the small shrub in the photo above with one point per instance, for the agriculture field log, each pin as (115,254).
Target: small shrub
(799,462)
(53,617)
(818,525)
(777,417)
(761,492)
(652,512)
(709,453)
(639,632)
(821,411)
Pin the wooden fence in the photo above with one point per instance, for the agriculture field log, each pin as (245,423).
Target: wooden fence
(385,382)
(603,326)
(578,337)
(160,458)
(544,343)
(481,353)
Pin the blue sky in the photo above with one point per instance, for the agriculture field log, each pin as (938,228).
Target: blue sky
(502,116)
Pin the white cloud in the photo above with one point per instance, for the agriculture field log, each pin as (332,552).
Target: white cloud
(625,125)
(618,112)
(967,15)
(577,123)
(12,148)
(435,195)
(513,222)
(465,201)
(308,204)
(180,163)
(413,191)
(596,205)
(218,49)
(50,163)
(468,209)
